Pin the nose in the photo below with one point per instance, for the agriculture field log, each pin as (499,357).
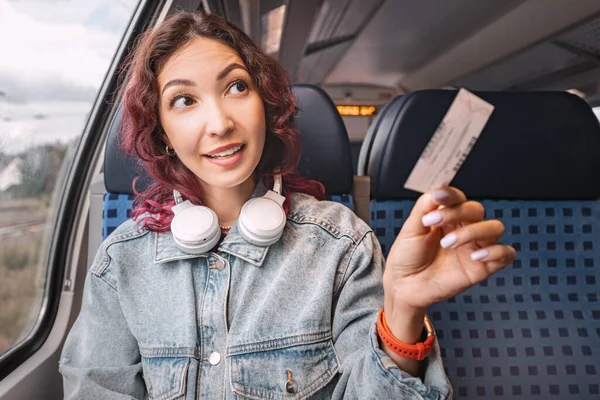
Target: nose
(218,121)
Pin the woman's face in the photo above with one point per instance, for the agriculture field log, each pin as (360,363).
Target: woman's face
(212,114)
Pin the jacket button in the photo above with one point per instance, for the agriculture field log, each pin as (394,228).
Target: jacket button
(220,264)
(214,358)
(291,386)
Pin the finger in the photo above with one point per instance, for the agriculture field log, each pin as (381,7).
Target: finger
(448,196)
(495,257)
(426,203)
(485,231)
(470,211)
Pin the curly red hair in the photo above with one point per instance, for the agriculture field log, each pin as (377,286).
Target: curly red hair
(142,134)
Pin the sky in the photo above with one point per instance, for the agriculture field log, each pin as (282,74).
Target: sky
(55,56)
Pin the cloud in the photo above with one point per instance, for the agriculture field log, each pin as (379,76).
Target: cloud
(48,89)
(105,14)
(58,50)
(55,55)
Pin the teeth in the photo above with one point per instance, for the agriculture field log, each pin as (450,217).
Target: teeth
(228,152)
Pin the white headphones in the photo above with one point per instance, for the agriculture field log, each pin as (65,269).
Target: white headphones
(196,228)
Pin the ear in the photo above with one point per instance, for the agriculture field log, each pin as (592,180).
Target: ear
(167,143)
(164,137)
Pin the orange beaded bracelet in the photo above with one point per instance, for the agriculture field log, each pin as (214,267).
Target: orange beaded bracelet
(418,351)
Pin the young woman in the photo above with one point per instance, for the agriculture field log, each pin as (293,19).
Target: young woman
(264,292)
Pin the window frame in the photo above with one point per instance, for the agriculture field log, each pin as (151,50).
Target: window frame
(71,192)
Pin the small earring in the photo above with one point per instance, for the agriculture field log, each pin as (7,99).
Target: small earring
(170,153)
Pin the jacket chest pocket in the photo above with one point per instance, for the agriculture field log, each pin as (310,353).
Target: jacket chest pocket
(165,377)
(283,373)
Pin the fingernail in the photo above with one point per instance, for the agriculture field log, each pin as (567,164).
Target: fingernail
(440,194)
(448,240)
(479,254)
(432,218)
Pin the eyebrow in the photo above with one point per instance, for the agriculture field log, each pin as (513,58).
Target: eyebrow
(178,82)
(188,82)
(228,69)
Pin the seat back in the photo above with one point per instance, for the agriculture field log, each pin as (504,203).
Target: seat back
(367,143)
(326,157)
(533,329)
(355,151)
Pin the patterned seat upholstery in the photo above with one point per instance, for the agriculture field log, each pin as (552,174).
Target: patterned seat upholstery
(116,209)
(533,329)
(324,138)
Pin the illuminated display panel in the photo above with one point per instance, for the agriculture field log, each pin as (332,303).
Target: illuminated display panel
(357,111)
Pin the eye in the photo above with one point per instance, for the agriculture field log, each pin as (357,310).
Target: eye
(181,101)
(238,87)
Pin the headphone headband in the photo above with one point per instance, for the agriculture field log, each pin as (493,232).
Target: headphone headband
(177,196)
(261,221)
(277,184)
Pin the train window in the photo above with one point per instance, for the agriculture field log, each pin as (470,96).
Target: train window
(54,59)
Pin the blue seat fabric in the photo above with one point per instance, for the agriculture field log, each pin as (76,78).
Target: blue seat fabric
(532,329)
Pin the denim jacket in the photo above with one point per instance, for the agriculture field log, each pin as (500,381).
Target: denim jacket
(296,320)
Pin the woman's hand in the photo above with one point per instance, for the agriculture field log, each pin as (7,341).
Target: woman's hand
(443,248)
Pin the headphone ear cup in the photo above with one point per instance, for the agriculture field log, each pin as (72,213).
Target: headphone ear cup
(261,221)
(195,229)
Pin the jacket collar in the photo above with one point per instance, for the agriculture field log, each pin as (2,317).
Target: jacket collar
(166,250)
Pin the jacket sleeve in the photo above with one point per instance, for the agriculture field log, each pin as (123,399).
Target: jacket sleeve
(367,372)
(100,358)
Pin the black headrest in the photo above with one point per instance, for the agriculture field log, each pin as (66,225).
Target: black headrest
(326,155)
(120,169)
(536,145)
(367,144)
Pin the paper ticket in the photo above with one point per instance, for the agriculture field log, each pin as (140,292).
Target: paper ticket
(451,143)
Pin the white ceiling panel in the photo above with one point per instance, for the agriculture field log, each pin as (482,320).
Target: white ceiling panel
(539,60)
(405,34)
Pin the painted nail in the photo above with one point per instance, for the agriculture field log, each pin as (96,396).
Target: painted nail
(434,217)
(448,240)
(480,254)
(440,194)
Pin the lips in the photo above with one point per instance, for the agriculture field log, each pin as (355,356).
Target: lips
(225,151)
(226,156)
